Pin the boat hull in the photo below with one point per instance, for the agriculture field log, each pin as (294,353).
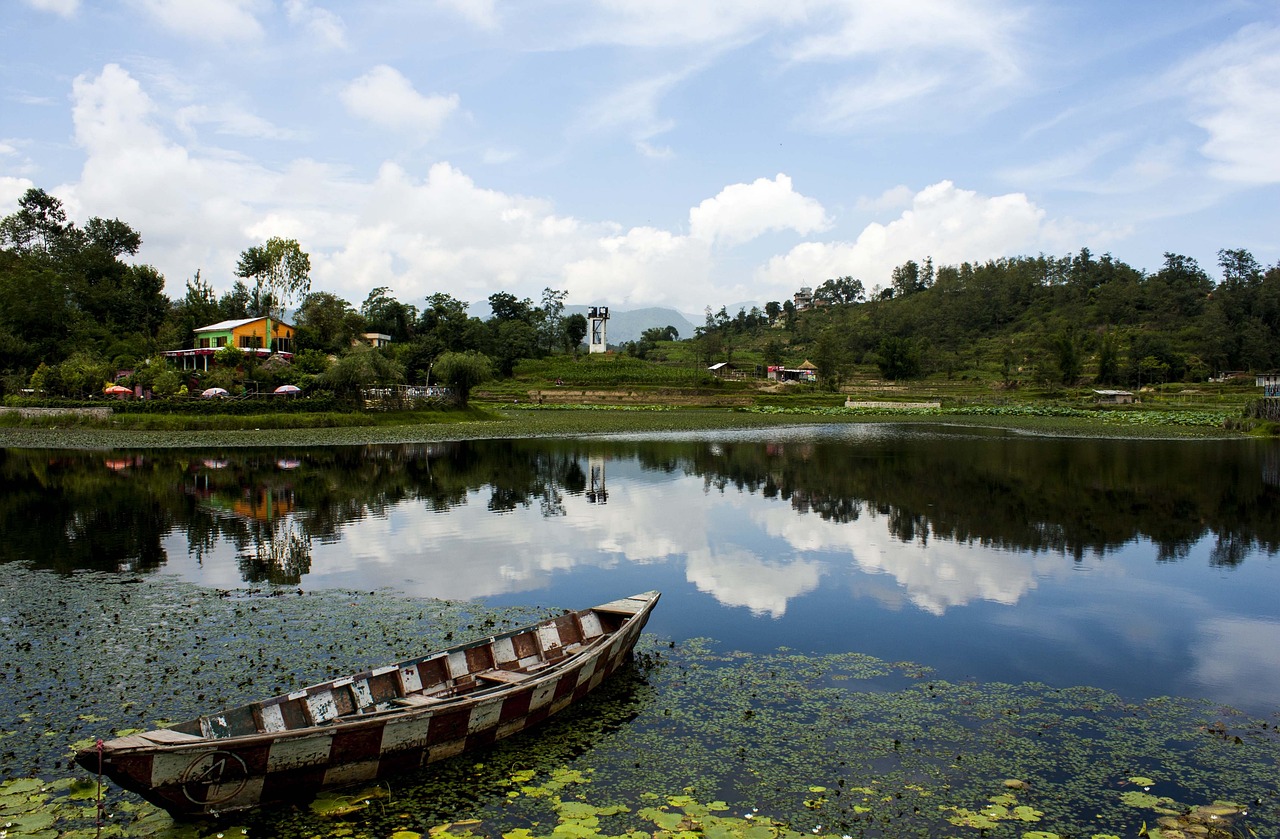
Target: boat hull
(209,775)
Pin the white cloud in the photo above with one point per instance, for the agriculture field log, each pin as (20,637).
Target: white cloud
(1235,657)
(440,230)
(62,8)
(894,199)
(132,171)
(230,121)
(322,25)
(11,189)
(632,108)
(741,212)
(951,225)
(480,13)
(1234,90)
(654,152)
(208,20)
(386,98)
(882,55)
(736,576)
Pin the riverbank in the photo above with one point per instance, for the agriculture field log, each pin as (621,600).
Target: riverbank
(494,421)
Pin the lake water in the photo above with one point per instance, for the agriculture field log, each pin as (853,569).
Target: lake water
(1141,567)
(1058,577)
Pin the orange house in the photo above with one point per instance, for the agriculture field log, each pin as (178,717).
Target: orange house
(248,335)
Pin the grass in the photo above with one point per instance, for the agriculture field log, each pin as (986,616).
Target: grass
(666,398)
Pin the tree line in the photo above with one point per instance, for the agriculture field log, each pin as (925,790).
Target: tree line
(1047,320)
(73,313)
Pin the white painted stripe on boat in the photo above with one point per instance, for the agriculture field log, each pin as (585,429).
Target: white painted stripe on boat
(591,625)
(238,794)
(549,637)
(364,697)
(167,768)
(297,752)
(542,694)
(350,773)
(272,719)
(450,749)
(322,706)
(484,716)
(458,664)
(403,734)
(504,650)
(412,681)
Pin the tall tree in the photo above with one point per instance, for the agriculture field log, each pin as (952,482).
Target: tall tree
(551,326)
(281,271)
(327,323)
(387,315)
(575,329)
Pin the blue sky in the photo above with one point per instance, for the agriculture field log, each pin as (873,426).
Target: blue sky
(683,153)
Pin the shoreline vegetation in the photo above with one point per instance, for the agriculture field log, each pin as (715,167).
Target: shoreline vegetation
(516,418)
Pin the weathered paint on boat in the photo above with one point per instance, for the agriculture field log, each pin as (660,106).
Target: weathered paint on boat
(376,723)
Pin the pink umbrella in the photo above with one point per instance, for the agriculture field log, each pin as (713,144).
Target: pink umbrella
(210,393)
(288,390)
(118,390)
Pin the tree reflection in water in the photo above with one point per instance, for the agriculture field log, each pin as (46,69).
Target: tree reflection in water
(80,509)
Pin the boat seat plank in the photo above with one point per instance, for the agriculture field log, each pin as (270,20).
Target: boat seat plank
(416,700)
(506,677)
(166,735)
(629,606)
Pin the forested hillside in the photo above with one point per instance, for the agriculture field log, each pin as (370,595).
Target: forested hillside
(1066,320)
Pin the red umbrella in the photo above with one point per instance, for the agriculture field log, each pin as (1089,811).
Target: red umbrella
(118,390)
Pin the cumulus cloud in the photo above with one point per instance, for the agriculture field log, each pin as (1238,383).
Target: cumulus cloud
(208,20)
(741,212)
(418,232)
(11,189)
(738,577)
(322,25)
(62,8)
(386,98)
(1234,89)
(952,225)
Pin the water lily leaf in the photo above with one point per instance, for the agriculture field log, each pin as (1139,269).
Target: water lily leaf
(576,810)
(1027,814)
(332,806)
(25,823)
(1146,800)
(20,786)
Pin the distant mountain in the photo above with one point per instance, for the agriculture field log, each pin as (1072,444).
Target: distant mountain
(628,325)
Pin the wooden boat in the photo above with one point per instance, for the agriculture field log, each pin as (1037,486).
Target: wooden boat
(378,722)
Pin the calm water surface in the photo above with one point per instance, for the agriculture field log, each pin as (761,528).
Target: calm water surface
(1141,567)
